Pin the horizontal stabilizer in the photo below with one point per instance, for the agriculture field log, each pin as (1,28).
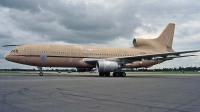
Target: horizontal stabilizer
(12,45)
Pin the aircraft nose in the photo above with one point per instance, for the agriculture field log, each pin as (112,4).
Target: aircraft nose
(6,57)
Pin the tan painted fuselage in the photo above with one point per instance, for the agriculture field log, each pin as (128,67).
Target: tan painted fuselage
(63,55)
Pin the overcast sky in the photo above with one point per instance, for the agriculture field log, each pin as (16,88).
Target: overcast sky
(99,22)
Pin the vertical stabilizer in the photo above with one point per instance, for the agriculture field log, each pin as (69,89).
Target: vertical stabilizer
(166,37)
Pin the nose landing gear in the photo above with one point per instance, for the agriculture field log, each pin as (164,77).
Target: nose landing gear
(41,73)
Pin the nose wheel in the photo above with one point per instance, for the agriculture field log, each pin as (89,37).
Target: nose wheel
(41,73)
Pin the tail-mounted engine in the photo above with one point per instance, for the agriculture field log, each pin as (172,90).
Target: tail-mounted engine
(142,42)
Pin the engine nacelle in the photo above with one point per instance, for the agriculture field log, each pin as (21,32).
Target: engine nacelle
(142,42)
(107,66)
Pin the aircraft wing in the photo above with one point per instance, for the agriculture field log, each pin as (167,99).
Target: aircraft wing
(92,59)
(167,55)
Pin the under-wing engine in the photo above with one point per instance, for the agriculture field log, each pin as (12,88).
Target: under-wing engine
(107,66)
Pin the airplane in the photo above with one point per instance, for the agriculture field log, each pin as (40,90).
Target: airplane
(145,53)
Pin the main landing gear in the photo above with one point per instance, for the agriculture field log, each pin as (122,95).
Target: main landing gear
(119,74)
(106,74)
(115,74)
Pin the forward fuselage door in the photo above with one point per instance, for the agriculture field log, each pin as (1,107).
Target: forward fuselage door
(75,55)
(27,52)
(67,55)
(27,55)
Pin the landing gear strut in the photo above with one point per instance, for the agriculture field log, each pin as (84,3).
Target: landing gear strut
(41,73)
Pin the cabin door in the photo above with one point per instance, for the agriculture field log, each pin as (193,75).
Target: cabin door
(67,56)
(27,54)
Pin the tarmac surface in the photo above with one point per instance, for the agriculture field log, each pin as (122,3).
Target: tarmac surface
(89,92)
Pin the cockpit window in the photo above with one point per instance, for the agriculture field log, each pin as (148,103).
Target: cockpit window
(14,51)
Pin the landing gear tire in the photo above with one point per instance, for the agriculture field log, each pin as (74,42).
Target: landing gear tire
(41,74)
(102,74)
(116,74)
(119,74)
(122,74)
(107,74)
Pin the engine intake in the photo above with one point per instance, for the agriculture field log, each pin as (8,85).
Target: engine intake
(142,42)
(107,66)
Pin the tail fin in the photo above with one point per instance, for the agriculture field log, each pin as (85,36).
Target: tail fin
(166,37)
